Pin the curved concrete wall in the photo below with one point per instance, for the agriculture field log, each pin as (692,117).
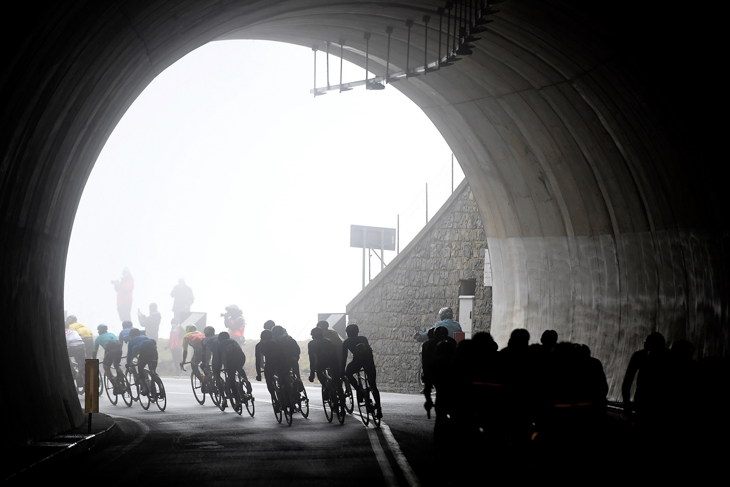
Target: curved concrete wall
(601,224)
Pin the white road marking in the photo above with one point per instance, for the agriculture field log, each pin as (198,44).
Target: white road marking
(137,440)
(399,456)
(390,479)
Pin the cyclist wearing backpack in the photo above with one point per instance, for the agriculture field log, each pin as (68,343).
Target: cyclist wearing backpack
(193,338)
(362,358)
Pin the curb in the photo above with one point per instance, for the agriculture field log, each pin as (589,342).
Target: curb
(40,456)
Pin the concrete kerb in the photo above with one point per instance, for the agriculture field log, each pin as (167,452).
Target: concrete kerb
(40,456)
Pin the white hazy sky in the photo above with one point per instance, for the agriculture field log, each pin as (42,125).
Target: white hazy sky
(227,172)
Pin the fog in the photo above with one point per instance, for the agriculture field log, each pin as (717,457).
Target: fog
(228,173)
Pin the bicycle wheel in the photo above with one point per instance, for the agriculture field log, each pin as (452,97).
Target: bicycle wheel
(197,388)
(144,399)
(235,393)
(126,391)
(213,392)
(161,394)
(109,384)
(248,399)
(339,407)
(362,406)
(327,403)
(133,390)
(349,402)
(276,404)
(221,392)
(370,400)
(304,403)
(101,381)
(288,414)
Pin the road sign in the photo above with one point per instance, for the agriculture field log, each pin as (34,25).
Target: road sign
(195,318)
(337,321)
(372,237)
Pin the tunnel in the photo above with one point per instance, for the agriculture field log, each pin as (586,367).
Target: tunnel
(587,133)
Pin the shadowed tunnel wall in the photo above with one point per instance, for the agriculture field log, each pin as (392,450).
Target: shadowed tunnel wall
(586,139)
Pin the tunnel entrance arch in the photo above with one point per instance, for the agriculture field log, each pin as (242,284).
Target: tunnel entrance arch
(600,224)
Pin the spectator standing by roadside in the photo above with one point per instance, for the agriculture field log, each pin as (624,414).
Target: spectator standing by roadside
(174,344)
(150,323)
(183,299)
(124,288)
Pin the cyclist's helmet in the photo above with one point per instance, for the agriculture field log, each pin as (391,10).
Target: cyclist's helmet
(134,332)
(224,335)
(190,328)
(446,313)
(266,335)
(317,333)
(269,325)
(352,330)
(126,324)
(323,325)
(102,329)
(277,331)
(71,319)
(209,331)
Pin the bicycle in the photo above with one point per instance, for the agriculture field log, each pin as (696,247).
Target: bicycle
(301,401)
(237,395)
(115,385)
(283,406)
(367,403)
(197,386)
(78,379)
(132,381)
(155,390)
(347,392)
(332,399)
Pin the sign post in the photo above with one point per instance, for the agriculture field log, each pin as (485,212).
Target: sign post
(91,386)
(372,238)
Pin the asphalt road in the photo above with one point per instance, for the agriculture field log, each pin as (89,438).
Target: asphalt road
(191,444)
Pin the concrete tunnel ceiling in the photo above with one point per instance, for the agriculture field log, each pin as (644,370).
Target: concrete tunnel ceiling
(601,224)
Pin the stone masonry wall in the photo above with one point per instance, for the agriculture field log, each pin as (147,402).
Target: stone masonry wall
(405,297)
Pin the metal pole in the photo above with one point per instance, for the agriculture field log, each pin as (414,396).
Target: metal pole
(441,18)
(389,31)
(426,19)
(342,53)
(367,55)
(314,49)
(409,23)
(327,44)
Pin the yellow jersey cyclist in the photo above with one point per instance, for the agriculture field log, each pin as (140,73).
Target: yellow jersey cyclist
(84,333)
(112,353)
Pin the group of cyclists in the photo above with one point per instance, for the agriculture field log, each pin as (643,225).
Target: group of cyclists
(81,345)
(211,354)
(277,355)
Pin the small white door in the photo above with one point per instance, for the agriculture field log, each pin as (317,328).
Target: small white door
(466,311)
